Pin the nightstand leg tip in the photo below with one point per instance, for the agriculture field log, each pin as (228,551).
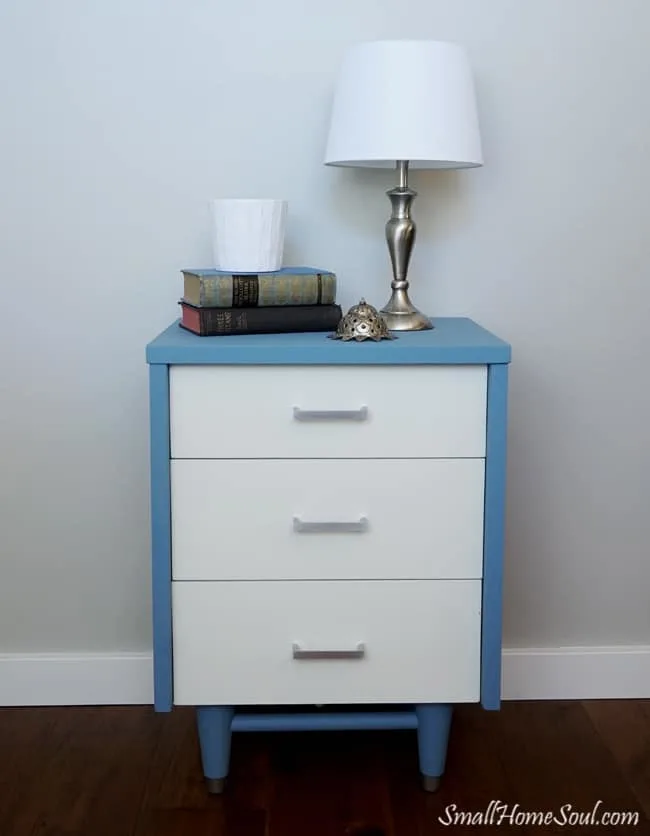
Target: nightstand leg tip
(215,785)
(430,783)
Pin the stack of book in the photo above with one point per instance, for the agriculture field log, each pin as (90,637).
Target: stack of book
(215,302)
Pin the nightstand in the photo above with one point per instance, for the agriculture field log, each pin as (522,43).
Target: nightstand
(327,532)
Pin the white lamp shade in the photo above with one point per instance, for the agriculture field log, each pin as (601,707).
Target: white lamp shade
(405,100)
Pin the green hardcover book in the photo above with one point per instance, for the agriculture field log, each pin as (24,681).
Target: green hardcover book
(211,288)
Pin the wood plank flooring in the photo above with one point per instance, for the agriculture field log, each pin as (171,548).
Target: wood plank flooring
(125,771)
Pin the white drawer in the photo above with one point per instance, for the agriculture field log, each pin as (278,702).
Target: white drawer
(255,519)
(406,641)
(326,411)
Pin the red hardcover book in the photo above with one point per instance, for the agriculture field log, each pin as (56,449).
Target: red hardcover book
(209,322)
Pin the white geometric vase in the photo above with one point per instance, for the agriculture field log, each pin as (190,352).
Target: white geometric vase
(248,234)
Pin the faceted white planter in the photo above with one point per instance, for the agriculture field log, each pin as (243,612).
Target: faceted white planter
(248,234)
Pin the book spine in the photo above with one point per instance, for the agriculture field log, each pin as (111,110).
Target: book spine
(220,321)
(250,291)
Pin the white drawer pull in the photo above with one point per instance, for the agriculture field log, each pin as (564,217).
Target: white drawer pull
(330,527)
(301,653)
(330,414)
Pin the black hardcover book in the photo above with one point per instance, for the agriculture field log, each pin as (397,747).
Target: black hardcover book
(210,322)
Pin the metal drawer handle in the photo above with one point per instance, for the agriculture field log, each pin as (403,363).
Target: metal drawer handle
(327,527)
(330,414)
(301,653)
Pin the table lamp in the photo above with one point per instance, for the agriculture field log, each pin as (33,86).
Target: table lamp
(404,104)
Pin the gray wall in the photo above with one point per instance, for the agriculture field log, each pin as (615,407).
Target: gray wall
(121,120)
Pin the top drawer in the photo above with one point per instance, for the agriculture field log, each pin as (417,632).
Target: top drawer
(327,412)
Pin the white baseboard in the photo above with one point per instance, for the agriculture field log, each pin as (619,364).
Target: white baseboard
(577,673)
(563,673)
(76,679)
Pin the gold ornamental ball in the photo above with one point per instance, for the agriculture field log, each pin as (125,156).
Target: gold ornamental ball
(362,322)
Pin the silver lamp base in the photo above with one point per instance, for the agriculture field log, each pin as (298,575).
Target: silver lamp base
(404,318)
(399,313)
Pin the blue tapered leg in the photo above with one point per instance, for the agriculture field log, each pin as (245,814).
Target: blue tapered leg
(434,722)
(215,729)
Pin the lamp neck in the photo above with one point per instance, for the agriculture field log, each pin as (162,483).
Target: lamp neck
(403,171)
(400,313)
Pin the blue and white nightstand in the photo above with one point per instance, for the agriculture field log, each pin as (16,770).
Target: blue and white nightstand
(327,531)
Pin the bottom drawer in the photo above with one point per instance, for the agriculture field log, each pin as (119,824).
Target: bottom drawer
(326,642)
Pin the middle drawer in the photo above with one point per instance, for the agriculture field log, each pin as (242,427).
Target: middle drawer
(327,519)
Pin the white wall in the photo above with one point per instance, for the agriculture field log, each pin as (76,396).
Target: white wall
(121,119)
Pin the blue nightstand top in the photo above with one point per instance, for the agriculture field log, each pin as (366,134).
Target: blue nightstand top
(453,340)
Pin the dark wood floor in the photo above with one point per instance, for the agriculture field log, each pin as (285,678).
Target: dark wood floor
(128,772)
